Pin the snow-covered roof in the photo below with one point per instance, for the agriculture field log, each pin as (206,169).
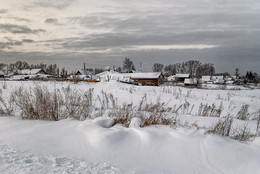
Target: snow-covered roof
(2,73)
(105,73)
(171,78)
(82,72)
(190,81)
(182,75)
(30,71)
(18,77)
(152,75)
(206,78)
(217,77)
(113,75)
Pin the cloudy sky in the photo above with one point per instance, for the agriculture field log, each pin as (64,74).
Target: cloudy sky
(101,33)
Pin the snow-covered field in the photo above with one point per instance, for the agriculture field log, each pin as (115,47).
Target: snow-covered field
(96,146)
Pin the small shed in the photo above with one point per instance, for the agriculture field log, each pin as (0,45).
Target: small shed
(205,79)
(181,77)
(153,78)
(2,74)
(218,79)
(83,74)
(190,82)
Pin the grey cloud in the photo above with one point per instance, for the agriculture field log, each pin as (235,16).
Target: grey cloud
(28,40)
(3,11)
(51,21)
(10,44)
(18,29)
(223,26)
(16,18)
(110,40)
(20,19)
(61,4)
(224,59)
(167,23)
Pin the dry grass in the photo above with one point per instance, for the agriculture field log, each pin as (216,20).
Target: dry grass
(41,104)
(6,108)
(149,113)
(242,133)
(38,103)
(123,114)
(222,127)
(258,123)
(210,111)
(243,113)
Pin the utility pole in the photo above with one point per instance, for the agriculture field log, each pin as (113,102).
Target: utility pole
(84,68)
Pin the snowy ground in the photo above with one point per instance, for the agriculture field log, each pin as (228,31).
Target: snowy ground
(72,146)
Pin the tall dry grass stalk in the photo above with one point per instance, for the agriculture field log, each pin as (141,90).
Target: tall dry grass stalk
(6,107)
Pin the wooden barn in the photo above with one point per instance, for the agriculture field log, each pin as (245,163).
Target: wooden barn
(154,79)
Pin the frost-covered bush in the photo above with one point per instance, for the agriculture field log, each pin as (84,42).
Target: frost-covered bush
(123,114)
(243,113)
(222,127)
(107,101)
(78,105)
(154,118)
(148,113)
(242,133)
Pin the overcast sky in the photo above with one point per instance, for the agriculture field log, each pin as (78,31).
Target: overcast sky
(101,33)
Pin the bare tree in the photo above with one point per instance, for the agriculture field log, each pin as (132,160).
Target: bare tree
(63,72)
(128,65)
(170,70)
(237,72)
(157,67)
(205,69)
(192,66)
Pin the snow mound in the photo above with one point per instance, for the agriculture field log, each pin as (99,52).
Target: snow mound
(135,122)
(105,122)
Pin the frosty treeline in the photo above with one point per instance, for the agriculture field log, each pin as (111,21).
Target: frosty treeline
(19,65)
(52,69)
(193,67)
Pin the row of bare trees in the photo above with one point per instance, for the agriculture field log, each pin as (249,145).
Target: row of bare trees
(19,65)
(193,67)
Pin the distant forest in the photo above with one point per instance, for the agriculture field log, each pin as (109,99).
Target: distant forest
(51,69)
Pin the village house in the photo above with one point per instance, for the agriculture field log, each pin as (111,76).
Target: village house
(154,78)
(86,75)
(180,78)
(218,79)
(31,72)
(205,79)
(191,82)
